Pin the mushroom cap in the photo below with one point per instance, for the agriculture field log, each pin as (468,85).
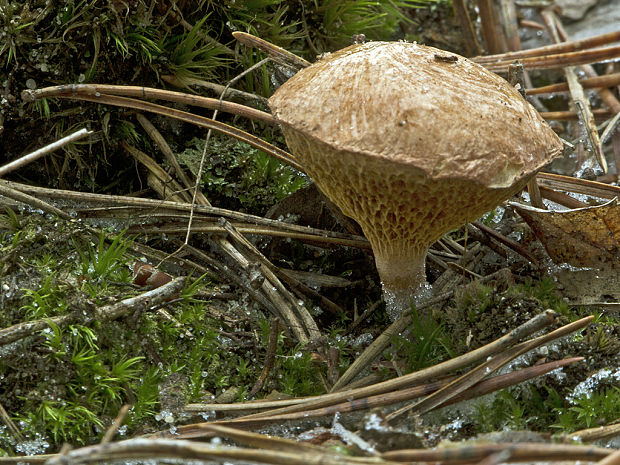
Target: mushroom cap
(399,102)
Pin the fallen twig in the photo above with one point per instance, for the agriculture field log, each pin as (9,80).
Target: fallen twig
(152,93)
(519,452)
(185,116)
(171,158)
(146,449)
(117,202)
(22,161)
(608,80)
(295,316)
(421,376)
(118,421)
(595,434)
(581,103)
(507,242)
(390,398)
(270,356)
(577,185)
(562,115)
(8,191)
(572,46)
(107,313)
(167,187)
(278,54)
(559,60)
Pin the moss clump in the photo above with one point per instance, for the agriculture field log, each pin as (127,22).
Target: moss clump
(240,177)
(68,382)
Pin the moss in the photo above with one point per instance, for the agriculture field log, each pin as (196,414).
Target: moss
(67,383)
(240,177)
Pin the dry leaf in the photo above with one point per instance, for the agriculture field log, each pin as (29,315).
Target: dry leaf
(581,237)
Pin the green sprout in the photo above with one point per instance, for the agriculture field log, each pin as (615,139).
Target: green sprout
(46,301)
(101,262)
(191,57)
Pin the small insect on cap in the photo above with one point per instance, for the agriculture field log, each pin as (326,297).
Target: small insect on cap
(411,141)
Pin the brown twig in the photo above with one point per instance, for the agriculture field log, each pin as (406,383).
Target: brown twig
(520,452)
(244,406)
(563,47)
(612,459)
(608,80)
(219,89)
(277,272)
(278,54)
(187,117)
(118,421)
(390,398)
(531,24)
(171,158)
(606,95)
(8,191)
(387,337)
(292,313)
(559,60)
(150,93)
(261,440)
(270,356)
(472,47)
(578,97)
(182,450)
(534,192)
(598,433)
(561,198)
(10,425)
(421,376)
(563,115)
(581,186)
(508,18)
(212,227)
(166,186)
(507,242)
(112,202)
(494,42)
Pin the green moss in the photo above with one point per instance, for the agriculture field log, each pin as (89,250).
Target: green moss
(590,410)
(425,344)
(540,409)
(545,291)
(239,176)
(68,382)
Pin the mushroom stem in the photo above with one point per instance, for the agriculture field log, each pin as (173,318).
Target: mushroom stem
(403,278)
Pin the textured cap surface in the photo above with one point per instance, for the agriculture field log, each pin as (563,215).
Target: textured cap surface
(418,106)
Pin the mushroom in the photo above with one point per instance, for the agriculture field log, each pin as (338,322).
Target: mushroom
(410,141)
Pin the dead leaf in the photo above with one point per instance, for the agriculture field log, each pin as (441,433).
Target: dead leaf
(587,236)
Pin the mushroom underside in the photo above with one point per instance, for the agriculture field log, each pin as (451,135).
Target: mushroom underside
(401,210)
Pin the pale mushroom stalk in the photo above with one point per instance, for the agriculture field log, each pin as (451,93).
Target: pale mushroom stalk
(411,142)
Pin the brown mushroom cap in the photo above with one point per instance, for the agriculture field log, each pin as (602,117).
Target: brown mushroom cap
(410,141)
